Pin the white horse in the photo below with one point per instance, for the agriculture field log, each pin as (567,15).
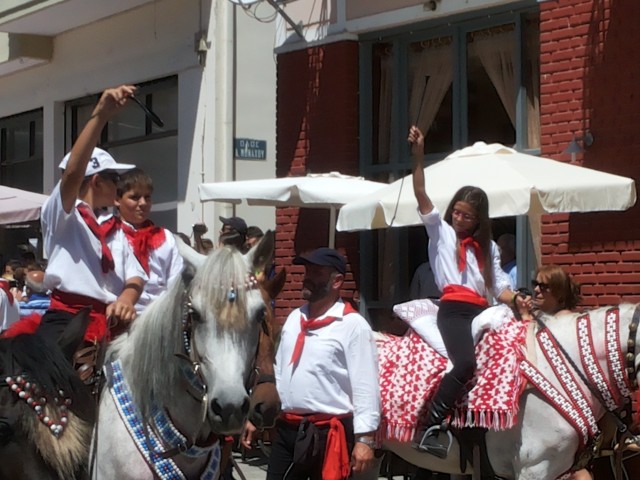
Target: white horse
(186,360)
(542,445)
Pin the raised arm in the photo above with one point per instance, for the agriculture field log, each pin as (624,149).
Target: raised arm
(416,139)
(110,103)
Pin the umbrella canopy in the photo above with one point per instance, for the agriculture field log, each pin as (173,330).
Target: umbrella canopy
(324,190)
(515,183)
(18,206)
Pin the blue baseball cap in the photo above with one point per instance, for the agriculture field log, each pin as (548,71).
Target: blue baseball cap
(324,257)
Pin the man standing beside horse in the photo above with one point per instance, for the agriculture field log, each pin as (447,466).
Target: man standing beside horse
(327,377)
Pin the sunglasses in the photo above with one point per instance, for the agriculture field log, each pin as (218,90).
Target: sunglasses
(465,216)
(541,285)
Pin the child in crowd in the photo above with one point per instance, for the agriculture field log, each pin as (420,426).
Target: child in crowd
(155,247)
(90,263)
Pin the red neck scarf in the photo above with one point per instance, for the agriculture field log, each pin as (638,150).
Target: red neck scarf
(7,289)
(307,325)
(144,240)
(477,250)
(101,231)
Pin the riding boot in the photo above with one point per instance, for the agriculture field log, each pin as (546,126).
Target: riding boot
(443,401)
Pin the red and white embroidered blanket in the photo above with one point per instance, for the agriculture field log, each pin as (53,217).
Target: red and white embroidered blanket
(410,370)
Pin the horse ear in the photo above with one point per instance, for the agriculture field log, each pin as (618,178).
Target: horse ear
(73,334)
(189,255)
(274,286)
(260,257)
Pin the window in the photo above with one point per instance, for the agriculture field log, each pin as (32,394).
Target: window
(21,158)
(133,138)
(463,82)
(21,154)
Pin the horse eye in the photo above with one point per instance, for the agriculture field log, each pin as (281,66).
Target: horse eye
(262,315)
(195,315)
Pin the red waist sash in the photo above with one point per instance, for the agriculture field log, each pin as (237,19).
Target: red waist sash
(73,303)
(458,293)
(336,455)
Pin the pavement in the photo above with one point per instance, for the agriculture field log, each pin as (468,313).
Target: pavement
(255,468)
(249,468)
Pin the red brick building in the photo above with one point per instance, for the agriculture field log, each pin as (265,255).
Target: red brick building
(589,78)
(345,100)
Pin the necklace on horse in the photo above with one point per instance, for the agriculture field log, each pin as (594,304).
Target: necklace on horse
(31,394)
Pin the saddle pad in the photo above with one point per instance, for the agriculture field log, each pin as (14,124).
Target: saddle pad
(410,371)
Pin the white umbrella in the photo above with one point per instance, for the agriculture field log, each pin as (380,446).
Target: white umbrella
(18,206)
(515,183)
(324,190)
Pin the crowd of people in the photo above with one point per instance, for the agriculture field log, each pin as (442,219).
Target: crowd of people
(118,262)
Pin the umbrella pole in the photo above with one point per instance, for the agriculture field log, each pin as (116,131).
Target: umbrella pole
(332,226)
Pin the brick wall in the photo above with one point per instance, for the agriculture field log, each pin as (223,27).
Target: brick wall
(589,80)
(317,132)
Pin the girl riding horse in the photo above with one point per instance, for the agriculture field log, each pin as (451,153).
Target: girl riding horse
(466,266)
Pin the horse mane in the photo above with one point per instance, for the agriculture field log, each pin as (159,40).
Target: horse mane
(148,352)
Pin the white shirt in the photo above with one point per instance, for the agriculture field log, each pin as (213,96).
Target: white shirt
(443,258)
(8,313)
(337,372)
(165,264)
(75,254)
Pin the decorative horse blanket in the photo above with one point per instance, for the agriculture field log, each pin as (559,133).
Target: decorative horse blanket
(162,435)
(411,369)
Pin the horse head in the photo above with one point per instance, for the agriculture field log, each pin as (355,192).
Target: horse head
(265,404)
(238,315)
(198,341)
(41,436)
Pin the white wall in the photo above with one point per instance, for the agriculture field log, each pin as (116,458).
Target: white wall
(155,41)
(329,21)
(256,102)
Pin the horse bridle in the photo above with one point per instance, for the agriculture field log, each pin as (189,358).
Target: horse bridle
(192,380)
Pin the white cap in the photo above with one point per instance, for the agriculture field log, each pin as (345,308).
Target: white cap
(99,162)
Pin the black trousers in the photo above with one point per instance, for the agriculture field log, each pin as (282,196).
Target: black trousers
(281,466)
(454,323)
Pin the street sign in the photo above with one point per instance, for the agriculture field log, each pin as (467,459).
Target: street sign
(250,149)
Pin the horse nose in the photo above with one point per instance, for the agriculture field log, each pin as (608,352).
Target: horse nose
(228,410)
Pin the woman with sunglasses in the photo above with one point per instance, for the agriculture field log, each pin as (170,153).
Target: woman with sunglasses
(555,293)
(466,266)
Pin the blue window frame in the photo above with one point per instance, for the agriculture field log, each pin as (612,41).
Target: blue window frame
(482,83)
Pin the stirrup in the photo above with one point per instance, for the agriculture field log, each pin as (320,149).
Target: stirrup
(437,449)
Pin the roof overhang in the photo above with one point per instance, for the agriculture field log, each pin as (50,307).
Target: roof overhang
(21,51)
(52,17)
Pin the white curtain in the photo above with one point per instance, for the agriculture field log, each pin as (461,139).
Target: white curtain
(497,55)
(432,60)
(532,83)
